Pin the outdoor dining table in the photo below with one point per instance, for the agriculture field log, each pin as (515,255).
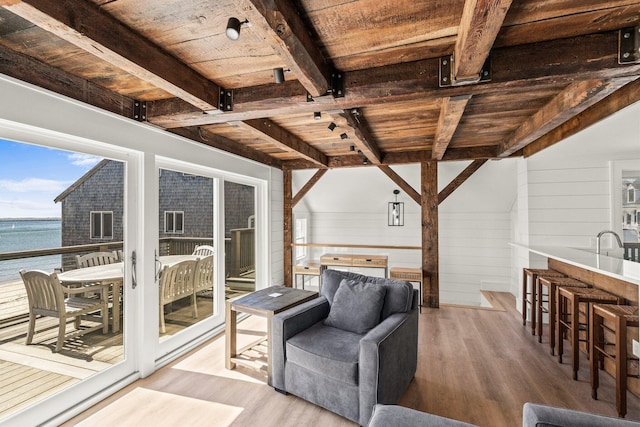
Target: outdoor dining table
(112,274)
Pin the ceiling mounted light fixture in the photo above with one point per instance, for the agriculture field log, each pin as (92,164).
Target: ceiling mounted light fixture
(344,136)
(278,75)
(396,212)
(233,28)
(317,115)
(332,126)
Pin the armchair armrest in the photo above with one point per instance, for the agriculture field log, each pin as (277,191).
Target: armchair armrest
(288,323)
(388,361)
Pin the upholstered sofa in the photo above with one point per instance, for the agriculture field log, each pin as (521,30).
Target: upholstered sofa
(351,348)
(533,415)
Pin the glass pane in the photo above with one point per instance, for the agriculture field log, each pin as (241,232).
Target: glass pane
(56,201)
(107,225)
(186,279)
(240,238)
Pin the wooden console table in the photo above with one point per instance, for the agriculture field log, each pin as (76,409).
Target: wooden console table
(355,260)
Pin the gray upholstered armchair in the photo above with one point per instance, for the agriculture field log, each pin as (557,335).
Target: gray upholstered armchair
(351,348)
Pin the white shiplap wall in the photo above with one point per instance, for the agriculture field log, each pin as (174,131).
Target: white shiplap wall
(349,207)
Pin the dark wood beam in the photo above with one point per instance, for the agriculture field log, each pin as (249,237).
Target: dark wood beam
(288,34)
(287,176)
(203,136)
(284,139)
(621,98)
(365,141)
(430,276)
(574,99)
(458,180)
(85,25)
(450,114)
(30,70)
(588,57)
(308,186)
(400,182)
(481,20)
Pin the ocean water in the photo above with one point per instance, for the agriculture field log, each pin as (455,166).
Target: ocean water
(22,235)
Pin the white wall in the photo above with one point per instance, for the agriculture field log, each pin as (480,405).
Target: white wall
(564,192)
(349,206)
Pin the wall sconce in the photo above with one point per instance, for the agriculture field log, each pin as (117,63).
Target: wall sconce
(331,126)
(233,28)
(396,212)
(317,115)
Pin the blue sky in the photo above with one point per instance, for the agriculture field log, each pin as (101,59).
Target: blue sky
(32,176)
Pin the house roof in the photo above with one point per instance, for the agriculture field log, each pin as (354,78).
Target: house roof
(403,81)
(81,180)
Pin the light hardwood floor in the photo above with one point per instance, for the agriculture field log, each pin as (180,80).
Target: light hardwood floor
(475,365)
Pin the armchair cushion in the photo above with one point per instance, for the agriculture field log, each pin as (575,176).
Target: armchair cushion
(329,351)
(356,306)
(398,298)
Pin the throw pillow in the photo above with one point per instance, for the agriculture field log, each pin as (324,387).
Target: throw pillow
(356,306)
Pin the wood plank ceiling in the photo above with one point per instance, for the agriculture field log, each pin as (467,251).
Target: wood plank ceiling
(403,81)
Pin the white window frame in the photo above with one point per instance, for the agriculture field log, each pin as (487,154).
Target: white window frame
(301,251)
(173,222)
(103,235)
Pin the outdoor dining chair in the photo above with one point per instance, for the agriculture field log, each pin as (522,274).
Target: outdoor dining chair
(46,297)
(96,258)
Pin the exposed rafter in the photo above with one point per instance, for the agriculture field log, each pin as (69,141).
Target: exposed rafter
(283,139)
(574,99)
(220,142)
(365,142)
(481,20)
(83,23)
(512,67)
(308,186)
(458,180)
(450,114)
(289,36)
(623,97)
(404,185)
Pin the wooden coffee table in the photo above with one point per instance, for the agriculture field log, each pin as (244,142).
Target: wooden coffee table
(264,303)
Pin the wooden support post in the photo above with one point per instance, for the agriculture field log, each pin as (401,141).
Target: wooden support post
(429,186)
(288,227)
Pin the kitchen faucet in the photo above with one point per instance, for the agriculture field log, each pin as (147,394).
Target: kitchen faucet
(606,232)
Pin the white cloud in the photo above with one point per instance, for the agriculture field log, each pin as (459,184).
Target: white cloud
(33,185)
(83,160)
(20,208)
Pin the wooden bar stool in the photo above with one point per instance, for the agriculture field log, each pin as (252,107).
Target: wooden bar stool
(615,319)
(571,298)
(551,283)
(533,274)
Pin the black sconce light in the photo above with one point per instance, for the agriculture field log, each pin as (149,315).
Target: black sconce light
(332,126)
(317,115)
(233,28)
(396,212)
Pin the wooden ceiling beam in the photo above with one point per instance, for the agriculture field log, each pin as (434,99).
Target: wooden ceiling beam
(566,60)
(621,98)
(284,139)
(458,180)
(481,20)
(574,99)
(404,185)
(85,25)
(365,141)
(308,186)
(31,70)
(285,30)
(206,137)
(450,114)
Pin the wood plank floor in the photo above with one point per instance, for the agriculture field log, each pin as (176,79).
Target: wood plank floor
(475,365)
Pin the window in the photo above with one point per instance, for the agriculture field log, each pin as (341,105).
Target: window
(301,237)
(102,225)
(174,222)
